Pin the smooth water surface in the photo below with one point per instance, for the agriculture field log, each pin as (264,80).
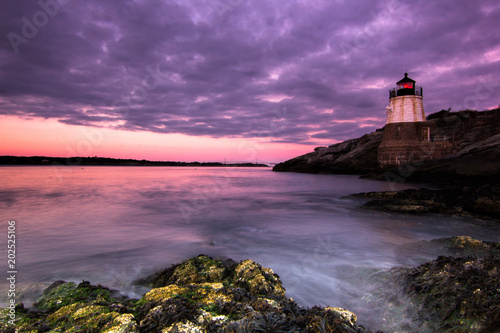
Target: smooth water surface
(110,225)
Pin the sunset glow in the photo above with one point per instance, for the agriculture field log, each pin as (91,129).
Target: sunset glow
(48,137)
(191,80)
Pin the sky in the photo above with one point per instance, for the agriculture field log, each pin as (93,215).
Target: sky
(246,81)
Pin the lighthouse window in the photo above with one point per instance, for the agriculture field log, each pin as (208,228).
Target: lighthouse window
(405,85)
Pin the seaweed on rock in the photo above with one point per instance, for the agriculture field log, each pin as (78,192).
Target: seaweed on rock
(201,294)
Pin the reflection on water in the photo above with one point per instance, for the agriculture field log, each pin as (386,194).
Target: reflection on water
(110,225)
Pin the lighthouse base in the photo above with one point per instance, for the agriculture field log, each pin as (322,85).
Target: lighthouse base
(406,142)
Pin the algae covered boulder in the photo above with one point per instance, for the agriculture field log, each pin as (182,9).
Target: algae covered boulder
(457,294)
(68,307)
(203,269)
(201,294)
(199,269)
(458,246)
(258,279)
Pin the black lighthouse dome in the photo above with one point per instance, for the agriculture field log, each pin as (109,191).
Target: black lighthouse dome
(405,86)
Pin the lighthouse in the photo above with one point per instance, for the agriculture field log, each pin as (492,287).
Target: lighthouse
(408,137)
(405,102)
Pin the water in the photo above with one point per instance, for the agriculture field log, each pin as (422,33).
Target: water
(110,225)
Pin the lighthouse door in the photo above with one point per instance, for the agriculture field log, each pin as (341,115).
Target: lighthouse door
(426,134)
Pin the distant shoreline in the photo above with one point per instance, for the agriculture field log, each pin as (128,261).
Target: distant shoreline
(106,161)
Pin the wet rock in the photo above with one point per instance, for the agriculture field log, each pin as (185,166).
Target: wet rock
(459,246)
(478,201)
(446,295)
(257,279)
(201,294)
(199,269)
(456,294)
(124,324)
(61,293)
(67,307)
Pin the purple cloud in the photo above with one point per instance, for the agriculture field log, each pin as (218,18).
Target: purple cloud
(293,71)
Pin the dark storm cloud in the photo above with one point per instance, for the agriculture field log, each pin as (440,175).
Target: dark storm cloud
(290,71)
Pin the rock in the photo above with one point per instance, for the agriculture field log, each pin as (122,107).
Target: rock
(479,201)
(458,246)
(475,157)
(195,270)
(257,279)
(345,315)
(355,156)
(456,294)
(187,327)
(201,294)
(67,307)
(61,293)
(126,324)
(448,295)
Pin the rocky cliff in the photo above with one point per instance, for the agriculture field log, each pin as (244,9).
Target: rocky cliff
(476,151)
(355,156)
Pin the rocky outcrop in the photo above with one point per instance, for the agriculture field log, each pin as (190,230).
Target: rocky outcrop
(201,294)
(420,252)
(355,156)
(481,201)
(477,162)
(453,293)
(456,294)
(475,138)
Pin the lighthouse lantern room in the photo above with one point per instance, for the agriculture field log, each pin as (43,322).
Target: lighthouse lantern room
(405,102)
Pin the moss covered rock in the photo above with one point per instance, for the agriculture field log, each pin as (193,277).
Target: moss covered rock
(199,269)
(458,246)
(258,279)
(68,307)
(201,294)
(457,294)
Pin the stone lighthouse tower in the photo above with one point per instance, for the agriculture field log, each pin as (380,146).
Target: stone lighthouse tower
(405,102)
(408,137)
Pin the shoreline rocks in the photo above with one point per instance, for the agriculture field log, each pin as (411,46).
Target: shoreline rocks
(203,294)
(474,135)
(471,172)
(480,201)
(355,156)
(456,294)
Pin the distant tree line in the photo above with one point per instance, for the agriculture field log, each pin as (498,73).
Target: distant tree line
(77,161)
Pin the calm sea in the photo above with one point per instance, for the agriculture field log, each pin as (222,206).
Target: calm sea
(110,225)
